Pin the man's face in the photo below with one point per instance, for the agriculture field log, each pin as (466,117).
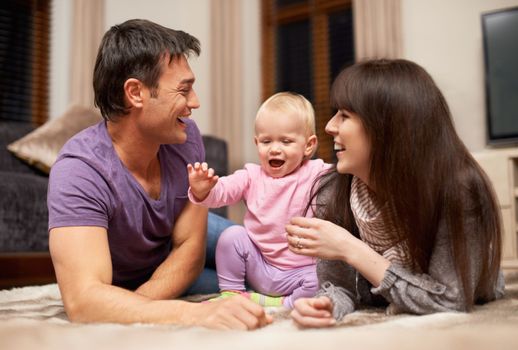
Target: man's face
(170,102)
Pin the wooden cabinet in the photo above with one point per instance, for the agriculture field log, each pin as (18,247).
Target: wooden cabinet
(501,165)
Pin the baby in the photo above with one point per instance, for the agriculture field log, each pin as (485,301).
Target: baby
(278,189)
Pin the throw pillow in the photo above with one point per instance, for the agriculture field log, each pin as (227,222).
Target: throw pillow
(40,148)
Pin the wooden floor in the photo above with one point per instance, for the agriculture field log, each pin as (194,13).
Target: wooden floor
(24,269)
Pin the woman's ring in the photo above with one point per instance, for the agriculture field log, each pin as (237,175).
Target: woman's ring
(298,245)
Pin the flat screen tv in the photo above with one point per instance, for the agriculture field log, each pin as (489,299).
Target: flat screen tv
(500,36)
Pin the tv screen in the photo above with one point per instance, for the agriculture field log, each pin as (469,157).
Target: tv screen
(500,35)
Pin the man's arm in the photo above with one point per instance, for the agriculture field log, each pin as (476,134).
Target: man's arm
(82,262)
(186,260)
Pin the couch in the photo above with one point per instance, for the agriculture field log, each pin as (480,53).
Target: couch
(24,257)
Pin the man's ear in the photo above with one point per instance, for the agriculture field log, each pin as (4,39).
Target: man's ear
(133,92)
(311,146)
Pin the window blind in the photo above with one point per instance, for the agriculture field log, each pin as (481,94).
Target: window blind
(24,60)
(305,45)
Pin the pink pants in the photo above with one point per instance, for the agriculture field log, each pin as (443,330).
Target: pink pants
(239,260)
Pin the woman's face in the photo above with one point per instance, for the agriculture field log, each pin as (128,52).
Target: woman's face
(352,146)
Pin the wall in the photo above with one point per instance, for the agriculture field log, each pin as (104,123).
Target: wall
(445,37)
(193,17)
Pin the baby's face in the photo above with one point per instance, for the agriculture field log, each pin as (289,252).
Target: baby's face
(282,143)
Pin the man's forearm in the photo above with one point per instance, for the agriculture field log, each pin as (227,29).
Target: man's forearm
(176,273)
(187,257)
(106,303)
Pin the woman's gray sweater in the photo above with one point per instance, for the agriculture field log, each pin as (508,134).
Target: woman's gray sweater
(438,290)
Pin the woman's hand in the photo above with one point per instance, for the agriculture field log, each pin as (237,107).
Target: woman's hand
(313,312)
(325,240)
(319,238)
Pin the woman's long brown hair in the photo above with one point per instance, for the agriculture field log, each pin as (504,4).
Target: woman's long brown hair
(419,166)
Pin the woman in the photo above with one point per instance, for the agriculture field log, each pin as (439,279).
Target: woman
(410,219)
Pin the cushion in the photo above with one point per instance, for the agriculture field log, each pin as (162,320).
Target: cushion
(40,148)
(11,131)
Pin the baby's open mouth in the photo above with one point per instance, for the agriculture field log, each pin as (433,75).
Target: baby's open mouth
(276,163)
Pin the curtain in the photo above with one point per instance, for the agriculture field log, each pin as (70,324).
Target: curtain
(377,27)
(226,85)
(87,32)
(226,73)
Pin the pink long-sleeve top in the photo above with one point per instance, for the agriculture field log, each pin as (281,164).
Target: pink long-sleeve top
(271,203)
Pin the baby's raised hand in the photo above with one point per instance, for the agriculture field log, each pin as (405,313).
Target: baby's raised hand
(201,179)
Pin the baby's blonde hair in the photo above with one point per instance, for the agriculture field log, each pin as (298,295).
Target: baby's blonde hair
(290,102)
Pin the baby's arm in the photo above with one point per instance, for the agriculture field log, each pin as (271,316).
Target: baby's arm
(201,180)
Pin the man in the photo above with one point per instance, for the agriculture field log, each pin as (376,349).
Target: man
(123,237)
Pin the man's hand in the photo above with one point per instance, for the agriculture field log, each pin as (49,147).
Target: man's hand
(201,179)
(232,313)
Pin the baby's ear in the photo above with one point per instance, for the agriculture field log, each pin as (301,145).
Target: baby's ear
(311,146)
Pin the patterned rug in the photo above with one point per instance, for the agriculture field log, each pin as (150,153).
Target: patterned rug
(34,318)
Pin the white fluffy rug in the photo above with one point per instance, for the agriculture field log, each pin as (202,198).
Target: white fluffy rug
(34,318)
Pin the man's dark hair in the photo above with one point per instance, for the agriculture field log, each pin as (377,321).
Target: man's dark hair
(135,49)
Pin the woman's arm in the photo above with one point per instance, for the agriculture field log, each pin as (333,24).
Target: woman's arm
(408,291)
(440,289)
(341,256)
(419,293)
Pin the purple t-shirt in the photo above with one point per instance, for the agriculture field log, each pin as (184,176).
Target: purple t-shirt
(89,186)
